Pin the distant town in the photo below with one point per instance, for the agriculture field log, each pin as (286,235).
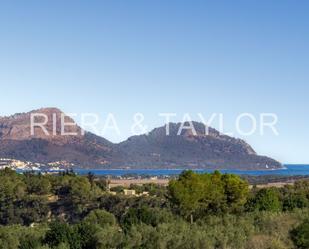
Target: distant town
(24,165)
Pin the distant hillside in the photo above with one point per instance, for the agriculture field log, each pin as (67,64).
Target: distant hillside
(86,150)
(196,151)
(154,150)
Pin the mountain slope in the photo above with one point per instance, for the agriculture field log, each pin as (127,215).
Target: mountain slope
(198,150)
(154,150)
(86,149)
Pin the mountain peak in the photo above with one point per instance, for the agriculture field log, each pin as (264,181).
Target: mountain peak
(48,110)
(195,147)
(191,128)
(44,123)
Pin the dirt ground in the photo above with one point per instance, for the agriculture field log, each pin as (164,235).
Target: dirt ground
(128,182)
(164,182)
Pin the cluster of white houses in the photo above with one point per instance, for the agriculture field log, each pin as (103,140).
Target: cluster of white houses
(17,164)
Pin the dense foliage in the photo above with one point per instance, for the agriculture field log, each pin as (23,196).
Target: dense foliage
(194,211)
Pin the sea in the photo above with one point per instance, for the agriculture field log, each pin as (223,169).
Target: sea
(288,170)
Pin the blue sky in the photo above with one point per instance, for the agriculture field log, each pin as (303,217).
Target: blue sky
(162,56)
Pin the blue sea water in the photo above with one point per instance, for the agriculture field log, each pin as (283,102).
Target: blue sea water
(289,170)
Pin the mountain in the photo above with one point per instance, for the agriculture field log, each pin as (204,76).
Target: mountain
(194,150)
(86,149)
(152,150)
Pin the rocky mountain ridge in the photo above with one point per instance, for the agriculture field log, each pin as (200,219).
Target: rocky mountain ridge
(156,149)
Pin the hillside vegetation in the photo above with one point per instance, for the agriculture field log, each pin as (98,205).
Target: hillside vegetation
(194,211)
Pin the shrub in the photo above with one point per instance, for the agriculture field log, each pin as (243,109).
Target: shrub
(300,235)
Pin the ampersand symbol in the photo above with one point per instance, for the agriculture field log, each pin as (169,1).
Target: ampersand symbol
(137,127)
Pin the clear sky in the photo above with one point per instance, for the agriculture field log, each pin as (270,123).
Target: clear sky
(162,56)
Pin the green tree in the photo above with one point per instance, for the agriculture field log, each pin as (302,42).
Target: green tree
(198,194)
(102,183)
(300,235)
(267,199)
(108,238)
(236,191)
(295,200)
(62,233)
(12,186)
(37,184)
(8,239)
(101,218)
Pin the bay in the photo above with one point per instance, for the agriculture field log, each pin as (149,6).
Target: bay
(289,170)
